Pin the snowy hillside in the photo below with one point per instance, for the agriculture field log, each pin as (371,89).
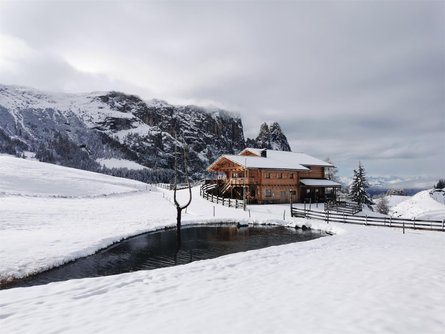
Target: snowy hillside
(362,279)
(33,178)
(424,205)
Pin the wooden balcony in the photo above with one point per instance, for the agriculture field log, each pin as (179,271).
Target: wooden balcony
(239,181)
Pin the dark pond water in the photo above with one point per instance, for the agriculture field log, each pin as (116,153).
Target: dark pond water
(160,249)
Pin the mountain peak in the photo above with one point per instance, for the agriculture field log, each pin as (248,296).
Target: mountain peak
(270,137)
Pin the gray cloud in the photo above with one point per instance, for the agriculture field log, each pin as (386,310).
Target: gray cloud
(350,80)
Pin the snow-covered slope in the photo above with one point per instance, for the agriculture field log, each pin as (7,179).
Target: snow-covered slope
(33,178)
(361,280)
(421,206)
(394,200)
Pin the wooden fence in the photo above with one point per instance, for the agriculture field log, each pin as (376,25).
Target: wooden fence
(327,216)
(169,186)
(343,207)
(230,202)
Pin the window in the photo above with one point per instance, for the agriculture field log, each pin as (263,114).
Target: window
(291,176)
(268,193)
(283,194)
(267,175)
(234,175)
(280,175)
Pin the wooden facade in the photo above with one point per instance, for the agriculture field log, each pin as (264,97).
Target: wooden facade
(264,185)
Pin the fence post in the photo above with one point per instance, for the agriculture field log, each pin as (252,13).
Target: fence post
(229,203)
(414,223)
(223,201)
(212,197)
(390,221)
(327,217)
(366,220)
(344,218)
(403,227)
(213,211)
(443,224)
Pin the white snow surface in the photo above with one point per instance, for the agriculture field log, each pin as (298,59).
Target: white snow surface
(120,163)
(360,280)
(394,200)
(320,182)
(32,178)
(421,206)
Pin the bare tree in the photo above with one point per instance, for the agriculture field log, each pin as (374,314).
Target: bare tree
(179,207)
(383,206)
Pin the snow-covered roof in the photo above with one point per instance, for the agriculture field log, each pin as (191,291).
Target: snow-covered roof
(319,183)
(295,158)
(261,163)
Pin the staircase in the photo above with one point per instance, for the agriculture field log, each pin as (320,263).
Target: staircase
(225,188)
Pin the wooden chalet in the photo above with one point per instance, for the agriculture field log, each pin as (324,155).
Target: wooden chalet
(269,176)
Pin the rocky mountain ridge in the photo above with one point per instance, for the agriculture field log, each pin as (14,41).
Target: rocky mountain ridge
(78,130)
(270,137)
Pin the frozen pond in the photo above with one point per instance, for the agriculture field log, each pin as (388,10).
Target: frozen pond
(166,248)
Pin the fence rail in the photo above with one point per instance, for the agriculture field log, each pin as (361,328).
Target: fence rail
(327,216)
(230,202)
(169,186)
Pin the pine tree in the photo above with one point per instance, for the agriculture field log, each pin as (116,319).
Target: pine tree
(358,187)
(440,184)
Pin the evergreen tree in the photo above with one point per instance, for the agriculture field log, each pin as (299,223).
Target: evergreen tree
(358,187)
(440,184)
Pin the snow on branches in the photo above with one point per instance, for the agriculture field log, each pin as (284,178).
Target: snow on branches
(359,185)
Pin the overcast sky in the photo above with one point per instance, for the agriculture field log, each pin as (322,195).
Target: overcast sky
(351,80)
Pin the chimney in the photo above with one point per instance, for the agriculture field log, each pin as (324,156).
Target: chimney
(264,153)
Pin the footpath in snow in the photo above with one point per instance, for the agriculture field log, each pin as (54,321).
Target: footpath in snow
(361,280)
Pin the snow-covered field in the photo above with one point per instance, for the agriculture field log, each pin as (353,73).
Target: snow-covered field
(120,163)
(361,280)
